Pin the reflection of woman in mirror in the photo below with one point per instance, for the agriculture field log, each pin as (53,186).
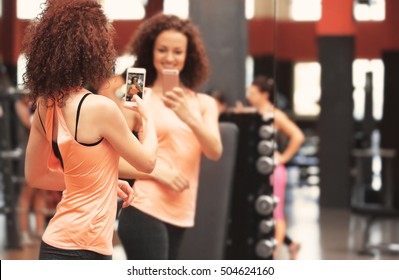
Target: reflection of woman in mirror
(187,129)
(260,94)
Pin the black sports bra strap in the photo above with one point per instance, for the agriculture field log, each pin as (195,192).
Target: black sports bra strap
(40,118)
(78,114)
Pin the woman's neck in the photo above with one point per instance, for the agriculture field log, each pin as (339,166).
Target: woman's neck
(157,86)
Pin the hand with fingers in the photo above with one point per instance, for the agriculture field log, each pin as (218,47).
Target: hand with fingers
(125,192)
(172,178)
(176,100)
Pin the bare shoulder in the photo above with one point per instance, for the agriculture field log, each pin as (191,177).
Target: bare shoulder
(41,108)
(279,114)
(203,97)
(40,102)
(206,102)
(281,119)
(99,100)
(100,105)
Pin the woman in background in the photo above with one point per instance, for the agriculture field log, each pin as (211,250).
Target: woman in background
(260,95)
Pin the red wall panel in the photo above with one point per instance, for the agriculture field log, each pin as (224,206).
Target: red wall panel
(293,40)
(261,33)
(124,32)
(296,41)
(337,18)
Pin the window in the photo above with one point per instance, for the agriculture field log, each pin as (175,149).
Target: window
(124,9)
(114,9)
(249,70)
(371,10)
(305,10)
(307,90)
(363,70)
(376,163)
(179,8)
(249,9)
(21,69)
(29,9)
(360,68)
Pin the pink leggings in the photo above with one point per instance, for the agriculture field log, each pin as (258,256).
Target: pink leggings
(279,182)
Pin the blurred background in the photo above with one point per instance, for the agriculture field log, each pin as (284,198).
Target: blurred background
(336,67)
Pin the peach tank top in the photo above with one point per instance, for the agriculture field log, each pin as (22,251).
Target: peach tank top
(177,148)
(85,216)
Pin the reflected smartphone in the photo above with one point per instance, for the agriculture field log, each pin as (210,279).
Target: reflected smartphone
(170,79)
(135,82)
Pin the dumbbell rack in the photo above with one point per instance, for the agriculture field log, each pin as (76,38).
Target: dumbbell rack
(251,223)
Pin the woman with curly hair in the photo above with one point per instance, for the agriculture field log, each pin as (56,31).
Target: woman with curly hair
(77,137)
(187,126)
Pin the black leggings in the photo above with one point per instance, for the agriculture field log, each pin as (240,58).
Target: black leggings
(146,238)
(48,252)
(287,240)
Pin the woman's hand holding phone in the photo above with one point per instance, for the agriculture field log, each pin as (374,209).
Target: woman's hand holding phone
(173,96)
(176,100)
(141,106)
(138,104)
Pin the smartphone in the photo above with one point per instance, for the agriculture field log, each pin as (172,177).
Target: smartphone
(170,79)
(135,82)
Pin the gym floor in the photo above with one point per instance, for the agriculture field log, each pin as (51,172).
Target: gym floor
(324,233)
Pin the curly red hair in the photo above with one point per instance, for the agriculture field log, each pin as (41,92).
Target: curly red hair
(69,45)
(196,67)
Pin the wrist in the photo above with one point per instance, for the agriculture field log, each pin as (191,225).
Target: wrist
(191,121)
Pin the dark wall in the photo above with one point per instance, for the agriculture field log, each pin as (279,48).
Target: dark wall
(224,30)
(336,54)
(389,123)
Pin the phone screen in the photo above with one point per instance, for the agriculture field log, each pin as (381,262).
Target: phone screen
(135,81)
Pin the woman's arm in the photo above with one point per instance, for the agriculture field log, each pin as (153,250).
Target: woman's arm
(127,171)
(115,129)
(289,128)
(23,113)
(37,174)
(172,178)
(205,127)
